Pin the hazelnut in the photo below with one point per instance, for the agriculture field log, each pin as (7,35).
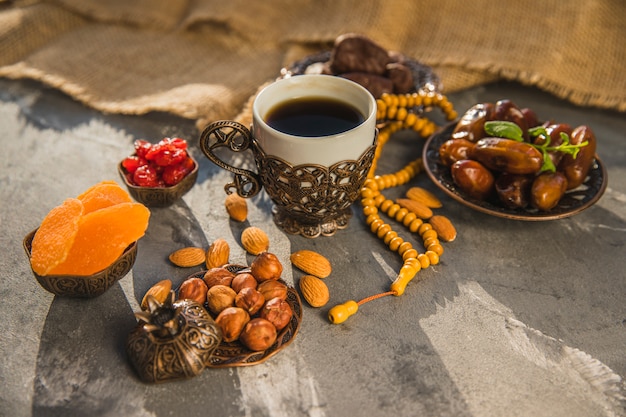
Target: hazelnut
(218,276)
(193,289)
(250,300)
(278,312)
(220,297)
(266,266)
(273,289)
(232,321)
(258,335)
(243,280)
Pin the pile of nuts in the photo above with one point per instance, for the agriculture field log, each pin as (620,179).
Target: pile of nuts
(249,304)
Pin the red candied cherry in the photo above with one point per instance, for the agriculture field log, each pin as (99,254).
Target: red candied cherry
(169,156)
(142,147)
(146,176)
(131,163)
(177,142)
(174,174)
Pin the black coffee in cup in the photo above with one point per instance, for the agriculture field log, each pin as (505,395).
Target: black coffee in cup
(314,117)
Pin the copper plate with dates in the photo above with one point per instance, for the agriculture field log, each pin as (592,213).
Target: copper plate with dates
(231,354)
(572,203)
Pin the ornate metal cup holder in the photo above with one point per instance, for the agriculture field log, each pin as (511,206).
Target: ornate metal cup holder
(310,200)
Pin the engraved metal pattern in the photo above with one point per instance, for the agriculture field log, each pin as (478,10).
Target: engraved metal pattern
(237,138)
(313,200)
(182,355)
(88,286)
(160,196)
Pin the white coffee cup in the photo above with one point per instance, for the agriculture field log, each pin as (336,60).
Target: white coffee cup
(312,179)
(325,150)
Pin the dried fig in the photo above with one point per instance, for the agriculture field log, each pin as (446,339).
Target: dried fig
(232,320)
(258,335)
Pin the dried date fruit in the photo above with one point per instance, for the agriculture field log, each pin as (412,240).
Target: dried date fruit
(507,155)
(357,53)
(473,178)
(547,190)
(401,77)
(471,127)
(375,84)
(454,150)
(577,168)
(513,190)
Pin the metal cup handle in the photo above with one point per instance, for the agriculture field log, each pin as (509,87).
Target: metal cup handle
(236,137)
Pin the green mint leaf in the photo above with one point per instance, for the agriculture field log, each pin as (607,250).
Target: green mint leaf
(503,129)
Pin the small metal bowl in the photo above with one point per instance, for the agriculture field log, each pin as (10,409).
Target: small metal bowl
(87,286)
(160,196)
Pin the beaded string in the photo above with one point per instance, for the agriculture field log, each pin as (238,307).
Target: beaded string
(398,112)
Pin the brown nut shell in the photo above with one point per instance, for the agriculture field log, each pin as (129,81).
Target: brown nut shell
(254,240)
(243,280)
(444,227)
(193,289)
(311,262)
(220,297)
(314,291)
(278,312)
(218,276)
(266,266)
(188,257)
(232,320)
(250,300)
(258,335)
(273,289)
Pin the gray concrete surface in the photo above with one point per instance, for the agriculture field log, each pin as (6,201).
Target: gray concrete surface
(519,319)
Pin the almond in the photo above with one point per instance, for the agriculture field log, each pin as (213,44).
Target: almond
(218,254)
(422,195)
(254,240)
(311,263)
(314,291)
(422,211)
(236,207)
(188,257)
(444,228)
(160,291)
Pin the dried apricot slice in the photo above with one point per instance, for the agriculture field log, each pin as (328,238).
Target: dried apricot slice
(104,194)
(55,237)
(102,237)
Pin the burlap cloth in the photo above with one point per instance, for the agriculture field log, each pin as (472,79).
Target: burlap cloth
(204,59)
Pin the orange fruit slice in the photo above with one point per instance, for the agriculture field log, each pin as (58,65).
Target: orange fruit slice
(102,237)
(104,194)
(55,237)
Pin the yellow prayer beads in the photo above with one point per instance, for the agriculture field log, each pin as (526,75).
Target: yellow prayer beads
(395,113)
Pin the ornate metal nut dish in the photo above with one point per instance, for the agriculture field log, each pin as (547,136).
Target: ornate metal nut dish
(88,286)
